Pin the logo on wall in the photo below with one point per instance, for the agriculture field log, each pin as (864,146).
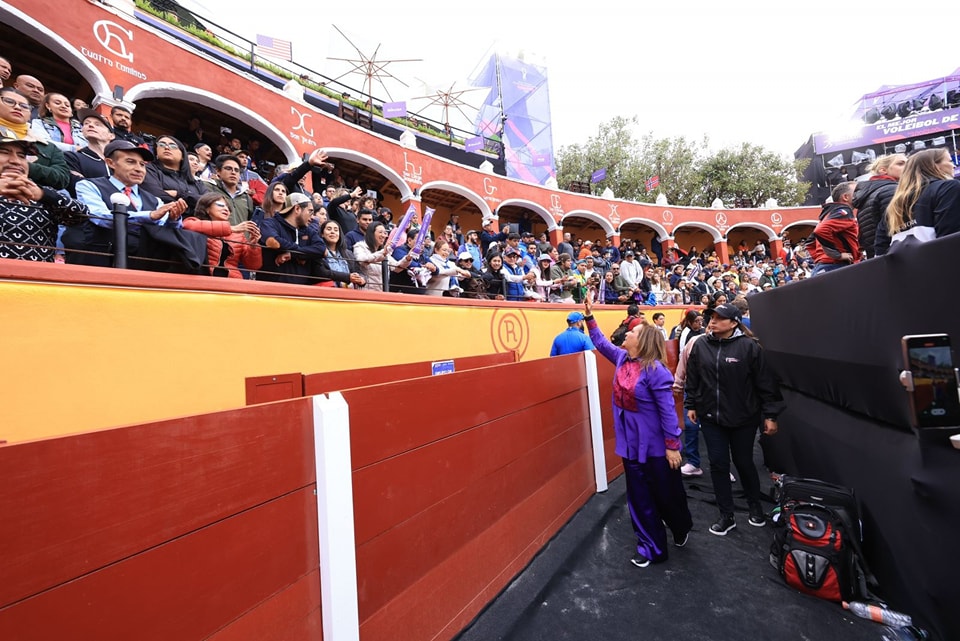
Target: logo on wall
(667,216)
(113,38)
(509,331)
(555,207)
(490,189)
(614,216)
(307,136)
(721,221)
(412,173)
(110,35)
(776,219)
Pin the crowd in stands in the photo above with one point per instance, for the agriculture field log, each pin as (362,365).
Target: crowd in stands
(206,203)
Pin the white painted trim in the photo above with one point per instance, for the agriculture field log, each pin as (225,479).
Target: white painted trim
(338,557)
(596,422)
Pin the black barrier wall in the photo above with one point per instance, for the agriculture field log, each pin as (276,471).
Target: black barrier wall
(835,343)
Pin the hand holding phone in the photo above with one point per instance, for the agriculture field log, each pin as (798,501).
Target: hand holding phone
(934,397)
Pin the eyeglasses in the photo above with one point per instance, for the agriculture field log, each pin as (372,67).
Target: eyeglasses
(166,145)
(13,103)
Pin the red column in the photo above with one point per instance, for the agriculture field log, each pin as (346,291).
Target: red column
(776,246)
(555,236)
(723,251)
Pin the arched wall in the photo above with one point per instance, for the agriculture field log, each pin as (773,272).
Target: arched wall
(460,190)
(208,99)
(537,208)
(662,233)
(27,25)
(592,217)
(369,161)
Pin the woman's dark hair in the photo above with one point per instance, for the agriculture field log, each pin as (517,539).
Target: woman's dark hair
(341,244)
(203,204)
(689,317)
(370,237)
(184,169)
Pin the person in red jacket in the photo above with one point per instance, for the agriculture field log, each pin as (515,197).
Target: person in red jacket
(835,239)
(227,245)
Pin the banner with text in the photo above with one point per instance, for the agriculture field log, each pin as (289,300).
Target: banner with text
(922,124)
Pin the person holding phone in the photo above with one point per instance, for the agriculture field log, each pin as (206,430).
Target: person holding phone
(648,438)
(730,390)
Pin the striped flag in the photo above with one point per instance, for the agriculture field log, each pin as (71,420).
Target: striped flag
(267,46)
(653,183)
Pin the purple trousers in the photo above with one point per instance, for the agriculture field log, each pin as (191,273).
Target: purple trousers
(655,496)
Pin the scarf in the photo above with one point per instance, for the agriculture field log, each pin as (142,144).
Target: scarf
(20,130)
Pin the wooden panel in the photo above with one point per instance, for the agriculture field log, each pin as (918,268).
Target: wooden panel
(74,504)
(325,382)
(605,372)
(183,589)
(294,613)
(403,486)
(280,387)
(380,416)
(437,532)
(455,590)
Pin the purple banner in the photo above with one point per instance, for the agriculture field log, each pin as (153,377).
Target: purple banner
(395,110)
(922,124)
(598,175)
(473,144)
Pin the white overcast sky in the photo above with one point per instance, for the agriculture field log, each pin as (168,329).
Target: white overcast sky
(770,73)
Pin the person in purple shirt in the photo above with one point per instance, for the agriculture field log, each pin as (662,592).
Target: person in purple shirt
(648,438)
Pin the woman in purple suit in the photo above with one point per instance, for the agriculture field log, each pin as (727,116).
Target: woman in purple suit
(648,438)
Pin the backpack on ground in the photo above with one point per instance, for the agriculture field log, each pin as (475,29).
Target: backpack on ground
(817,537)
(620,333)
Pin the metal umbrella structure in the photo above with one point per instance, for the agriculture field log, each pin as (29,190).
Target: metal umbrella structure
(371,68)
(449,99)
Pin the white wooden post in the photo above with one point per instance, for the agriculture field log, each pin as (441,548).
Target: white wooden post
(596,423)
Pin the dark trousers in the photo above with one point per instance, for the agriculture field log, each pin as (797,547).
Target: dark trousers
(655,496)
(724,443)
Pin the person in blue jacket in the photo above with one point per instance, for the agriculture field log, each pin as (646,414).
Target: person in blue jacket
(572,339)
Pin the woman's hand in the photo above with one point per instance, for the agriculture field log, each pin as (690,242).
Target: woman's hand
(674,459)
(692,415)
(357,279)
(588,305)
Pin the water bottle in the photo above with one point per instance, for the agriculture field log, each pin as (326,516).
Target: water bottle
(878,614)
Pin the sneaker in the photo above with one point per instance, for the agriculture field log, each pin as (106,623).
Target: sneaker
(680,542)
(690,470)
(757,518)
(723,525)
(640,561)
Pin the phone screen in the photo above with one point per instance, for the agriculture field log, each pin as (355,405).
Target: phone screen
(936,402)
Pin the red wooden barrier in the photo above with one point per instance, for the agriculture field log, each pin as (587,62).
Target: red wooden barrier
(458,481)
(279,387)
(347,379)
(170,530)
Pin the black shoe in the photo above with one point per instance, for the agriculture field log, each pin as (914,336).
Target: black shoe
(757,518)
(681,541)
(723,525)
(640,561)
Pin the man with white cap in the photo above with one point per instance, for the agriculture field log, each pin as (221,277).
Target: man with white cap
(572,339)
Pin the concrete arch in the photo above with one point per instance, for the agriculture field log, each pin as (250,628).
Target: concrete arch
(771,235)
(591,216)
(540,210)
(713,231)
(214,101)
(369,161)
(30,27)
(460,190)
(662,233)
(810,223)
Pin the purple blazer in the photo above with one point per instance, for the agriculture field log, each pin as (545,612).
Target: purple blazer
(644,415)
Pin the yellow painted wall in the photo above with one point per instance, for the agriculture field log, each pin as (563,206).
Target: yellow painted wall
(79,357)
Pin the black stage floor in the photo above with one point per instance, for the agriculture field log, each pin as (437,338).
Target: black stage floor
(582,585)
